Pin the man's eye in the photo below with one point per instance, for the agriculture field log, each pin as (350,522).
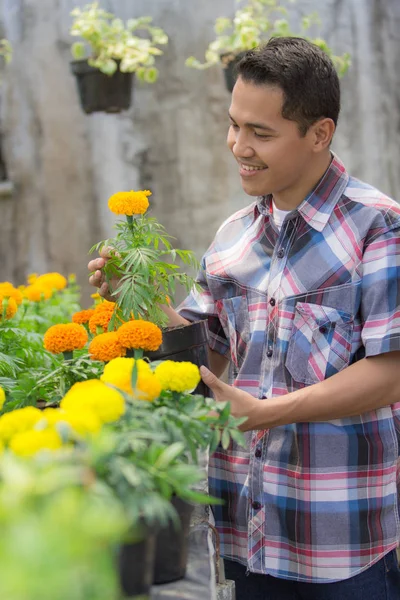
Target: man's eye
(262,136)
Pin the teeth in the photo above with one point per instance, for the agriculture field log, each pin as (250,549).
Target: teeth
(247,168)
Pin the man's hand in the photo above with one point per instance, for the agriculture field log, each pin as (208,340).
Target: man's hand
(98,279)
(242,403)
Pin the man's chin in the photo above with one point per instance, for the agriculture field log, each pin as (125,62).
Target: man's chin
(254,190)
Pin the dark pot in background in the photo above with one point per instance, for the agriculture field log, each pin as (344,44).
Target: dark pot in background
(172,545)
(186,343)
(99,92)
(230,62)
(136,566)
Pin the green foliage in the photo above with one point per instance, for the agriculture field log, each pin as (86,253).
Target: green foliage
(57,536)
(146,279)
(108,41)
(255,23)
(6,50)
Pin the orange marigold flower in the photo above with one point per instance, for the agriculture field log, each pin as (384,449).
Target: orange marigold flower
(65,338)
(129,203)
(11,307)
(100,319)
(82,316)
(139,334)
(105,347)
(105,305)
(52,281)
(7,290)
(36,293)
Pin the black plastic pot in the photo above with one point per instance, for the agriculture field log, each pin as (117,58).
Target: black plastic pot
(172,546)
(136,566)
(186,343)
(99,92)
(230,62)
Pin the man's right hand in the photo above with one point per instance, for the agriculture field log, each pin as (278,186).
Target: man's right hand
(98,279)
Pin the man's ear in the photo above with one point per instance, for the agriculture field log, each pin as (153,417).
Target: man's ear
(322,134)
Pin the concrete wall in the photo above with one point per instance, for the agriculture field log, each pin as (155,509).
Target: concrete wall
(65,164)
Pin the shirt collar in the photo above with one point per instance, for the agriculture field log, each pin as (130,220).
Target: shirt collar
(317,207)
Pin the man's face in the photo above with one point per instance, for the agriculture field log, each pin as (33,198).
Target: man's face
(270,151)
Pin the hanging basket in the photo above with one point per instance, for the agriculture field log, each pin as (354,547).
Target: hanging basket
(99,92)
(229,62)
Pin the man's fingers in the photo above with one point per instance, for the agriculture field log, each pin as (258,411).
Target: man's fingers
(97,279)
(98,263)
(209,378)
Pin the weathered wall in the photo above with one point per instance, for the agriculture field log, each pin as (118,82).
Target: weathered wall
(65,164)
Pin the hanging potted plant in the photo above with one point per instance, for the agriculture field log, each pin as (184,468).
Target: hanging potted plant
(144,263)
(254,24)
(108,55)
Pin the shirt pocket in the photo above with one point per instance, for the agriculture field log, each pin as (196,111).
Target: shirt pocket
(234,317)
(320,342)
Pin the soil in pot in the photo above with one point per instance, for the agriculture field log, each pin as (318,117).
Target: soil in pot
(136,566)
(99,92)
(172,545)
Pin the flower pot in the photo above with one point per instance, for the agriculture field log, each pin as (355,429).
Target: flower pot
(136,566)
(230,62)
(185,343)
(172,545)
(99,92)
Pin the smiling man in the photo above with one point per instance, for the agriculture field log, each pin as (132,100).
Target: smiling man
(300,290)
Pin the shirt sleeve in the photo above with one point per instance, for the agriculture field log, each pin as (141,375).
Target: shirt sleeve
(201,305)
(380,292)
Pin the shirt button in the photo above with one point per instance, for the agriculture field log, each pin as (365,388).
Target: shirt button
(281,253)
(323,329)
(269,352)
(272,301)
(256,505)
(258,453)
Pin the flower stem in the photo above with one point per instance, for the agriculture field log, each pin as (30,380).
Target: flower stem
(68,355)
(129,220)
(137,354)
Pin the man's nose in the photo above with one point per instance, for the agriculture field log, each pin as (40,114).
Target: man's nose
(241,147)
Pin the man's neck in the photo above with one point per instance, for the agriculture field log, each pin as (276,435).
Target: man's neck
(291,198)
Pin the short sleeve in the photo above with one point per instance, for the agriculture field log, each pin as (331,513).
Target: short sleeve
(380,292)
(200,304)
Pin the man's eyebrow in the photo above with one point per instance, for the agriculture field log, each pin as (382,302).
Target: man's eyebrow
(255,125)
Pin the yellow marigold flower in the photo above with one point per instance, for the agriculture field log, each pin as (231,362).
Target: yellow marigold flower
(52,280)
(32,278)
(118,372)
(11,307)
(9,291)
(81,420)
(95,396)
(82,316)
(65,338)
(129,203)
(139,334)
(2,398)
(36,293)
(28,443)
(105,347)
(18,421)
(96,297)
(177,376)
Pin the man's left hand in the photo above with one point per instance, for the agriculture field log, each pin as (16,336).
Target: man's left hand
(242,403)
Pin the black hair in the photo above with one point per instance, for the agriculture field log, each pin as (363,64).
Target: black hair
(305,74)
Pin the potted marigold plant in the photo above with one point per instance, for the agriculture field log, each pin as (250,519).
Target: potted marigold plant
(109,54)
(253,24)
(143,262)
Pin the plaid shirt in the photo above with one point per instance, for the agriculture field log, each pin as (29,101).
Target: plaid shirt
(313,502)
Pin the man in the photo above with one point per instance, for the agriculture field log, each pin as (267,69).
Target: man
(300,290)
